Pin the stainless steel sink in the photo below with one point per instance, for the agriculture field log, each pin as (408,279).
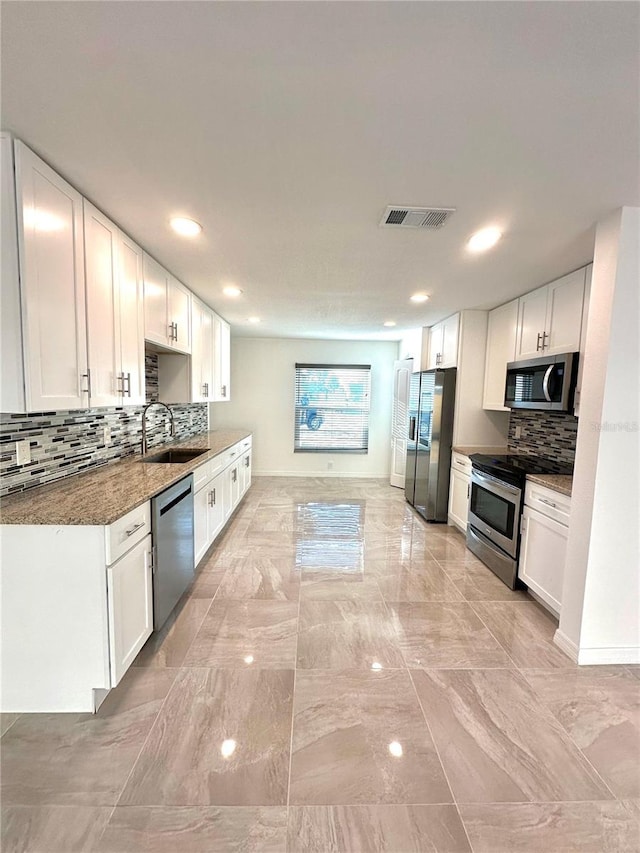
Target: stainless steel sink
(174,457)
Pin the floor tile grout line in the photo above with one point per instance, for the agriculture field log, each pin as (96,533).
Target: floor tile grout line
(437,751)
(478,616)
(137,758)
(11,724)
(293,707)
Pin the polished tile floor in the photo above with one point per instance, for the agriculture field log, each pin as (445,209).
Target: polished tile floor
(340,678)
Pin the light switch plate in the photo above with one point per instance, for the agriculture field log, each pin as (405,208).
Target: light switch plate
(518,431)
(23,452)
(106,435)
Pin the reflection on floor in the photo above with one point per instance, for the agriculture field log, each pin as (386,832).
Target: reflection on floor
(340,677)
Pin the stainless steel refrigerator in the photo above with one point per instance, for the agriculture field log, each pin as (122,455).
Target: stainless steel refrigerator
(431,404)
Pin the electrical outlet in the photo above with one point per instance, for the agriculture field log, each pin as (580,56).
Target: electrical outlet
(518,431)
(23,452)
(330,465)
(106,435)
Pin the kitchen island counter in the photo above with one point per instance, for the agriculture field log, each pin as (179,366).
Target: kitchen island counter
(101,496)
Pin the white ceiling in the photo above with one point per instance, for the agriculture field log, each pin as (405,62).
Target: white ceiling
(287,128)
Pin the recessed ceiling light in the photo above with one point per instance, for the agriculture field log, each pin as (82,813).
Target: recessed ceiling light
(419,297)
(389,323)
(484,239)
(253,319)
(232,290)
(186,227)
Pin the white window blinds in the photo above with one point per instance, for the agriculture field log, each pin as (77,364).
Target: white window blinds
(332,408)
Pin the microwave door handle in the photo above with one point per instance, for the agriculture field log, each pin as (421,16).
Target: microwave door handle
(545,382)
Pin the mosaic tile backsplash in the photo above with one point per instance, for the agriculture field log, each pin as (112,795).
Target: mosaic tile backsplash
(548,434)
(66,443)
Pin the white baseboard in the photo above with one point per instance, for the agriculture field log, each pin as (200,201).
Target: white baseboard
(599,656)
(353,475)
(612,655)
(568,646)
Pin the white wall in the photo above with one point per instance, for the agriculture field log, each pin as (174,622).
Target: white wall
(262,400)
(600,620)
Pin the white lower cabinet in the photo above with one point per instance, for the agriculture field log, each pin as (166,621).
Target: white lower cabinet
(543,545)
(220,485)
(89,589)
(209,514)
(130,594)
(459,490)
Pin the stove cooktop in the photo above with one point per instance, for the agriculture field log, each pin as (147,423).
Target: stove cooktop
(512,466)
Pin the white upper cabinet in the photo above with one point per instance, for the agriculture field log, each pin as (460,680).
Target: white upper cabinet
(131,321)
(11,356)
(222,359)
(564,313)
(443,343)
(179,316)
(202,354)
(51,286)
(156,305)
(501,349)
(103,308)
(550,318)
(167,308)
(115,335)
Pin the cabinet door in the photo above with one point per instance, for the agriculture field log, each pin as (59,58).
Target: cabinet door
(501,349)
(131,289)
(51,251)
(222,359)
(436,346)
(201,522)
(130,594)
(180,316)
(156,289)
(459,499)
(11,356)
(245,463)
(400,421)
(450,331)
(103,308)
(532,317)
(202,382)
(564,313)
(542,556)
(217,509)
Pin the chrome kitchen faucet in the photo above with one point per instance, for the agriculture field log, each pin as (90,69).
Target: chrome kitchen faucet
(144,423)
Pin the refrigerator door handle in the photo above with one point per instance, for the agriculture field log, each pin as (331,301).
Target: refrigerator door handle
(412,428)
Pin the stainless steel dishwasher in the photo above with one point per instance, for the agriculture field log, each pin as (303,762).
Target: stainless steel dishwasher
(173,557)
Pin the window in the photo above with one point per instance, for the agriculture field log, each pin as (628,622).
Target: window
(332,408)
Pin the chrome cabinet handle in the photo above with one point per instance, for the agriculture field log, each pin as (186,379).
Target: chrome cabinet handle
(212,497)
(87,376)
(176,327)
(234,475)
(135,527)
(544,340)
(548,503)
(128,384)
(539,342)
(246,462)
(223,391)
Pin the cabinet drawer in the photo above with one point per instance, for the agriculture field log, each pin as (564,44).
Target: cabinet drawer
(245,444)
(202,475)
(461,463)
(127,531)
(552,504)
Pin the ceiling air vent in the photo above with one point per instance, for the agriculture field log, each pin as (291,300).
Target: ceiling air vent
(396,216)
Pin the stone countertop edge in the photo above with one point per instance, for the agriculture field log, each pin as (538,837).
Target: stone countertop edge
(557,482)
(468,449)
(102,496)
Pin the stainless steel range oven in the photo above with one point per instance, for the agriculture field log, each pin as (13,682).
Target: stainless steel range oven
(493,530)
(495,507)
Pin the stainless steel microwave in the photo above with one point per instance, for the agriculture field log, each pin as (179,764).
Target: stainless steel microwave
(546,383)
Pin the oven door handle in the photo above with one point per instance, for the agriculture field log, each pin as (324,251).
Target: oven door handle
(495,484)
(545,382)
